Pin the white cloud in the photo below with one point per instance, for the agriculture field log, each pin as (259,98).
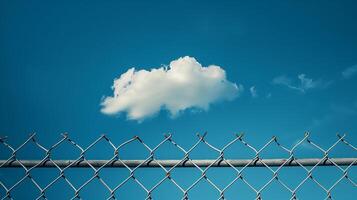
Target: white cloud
(282,80)
(349,72)
(184,84)
(303,85)
(253,92)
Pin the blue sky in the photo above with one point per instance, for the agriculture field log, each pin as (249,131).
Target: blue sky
(58,61)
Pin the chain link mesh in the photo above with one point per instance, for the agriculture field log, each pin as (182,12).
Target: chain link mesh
(167,170)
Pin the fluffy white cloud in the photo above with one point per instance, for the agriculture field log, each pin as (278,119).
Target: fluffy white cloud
(184,84)
(349,72)
(303,85)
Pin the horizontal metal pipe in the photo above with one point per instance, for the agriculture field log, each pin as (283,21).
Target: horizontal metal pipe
(177,163)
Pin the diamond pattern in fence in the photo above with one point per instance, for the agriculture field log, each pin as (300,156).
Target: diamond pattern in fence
(169,178)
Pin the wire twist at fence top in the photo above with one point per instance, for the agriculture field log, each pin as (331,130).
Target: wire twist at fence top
(167,169)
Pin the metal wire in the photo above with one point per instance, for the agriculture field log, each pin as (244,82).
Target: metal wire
(309,165)
(177,163)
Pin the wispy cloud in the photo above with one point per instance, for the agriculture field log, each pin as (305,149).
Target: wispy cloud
(268,96)
(184,84)
(349,72)
(335,111)
(303,83)
(253,92)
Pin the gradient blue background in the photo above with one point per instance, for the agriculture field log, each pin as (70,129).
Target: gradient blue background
(57,61)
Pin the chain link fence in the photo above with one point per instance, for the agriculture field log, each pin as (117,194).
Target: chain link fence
(15,171)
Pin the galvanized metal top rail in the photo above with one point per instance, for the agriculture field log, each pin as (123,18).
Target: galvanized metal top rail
(178,163)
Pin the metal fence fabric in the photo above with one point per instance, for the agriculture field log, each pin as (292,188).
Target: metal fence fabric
(344,166)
